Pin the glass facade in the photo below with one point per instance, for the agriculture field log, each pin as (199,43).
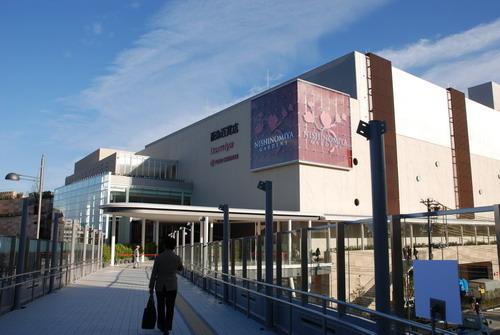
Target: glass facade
(145,167)
(81,200)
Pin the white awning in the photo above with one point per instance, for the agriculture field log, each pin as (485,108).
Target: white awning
(181,213)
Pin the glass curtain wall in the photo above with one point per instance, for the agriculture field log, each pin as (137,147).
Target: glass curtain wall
(82,200)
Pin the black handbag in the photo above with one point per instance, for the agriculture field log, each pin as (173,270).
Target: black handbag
(149,316)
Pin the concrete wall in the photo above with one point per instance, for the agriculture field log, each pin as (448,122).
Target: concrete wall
(484,143)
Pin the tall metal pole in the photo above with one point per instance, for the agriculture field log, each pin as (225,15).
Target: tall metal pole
(21,254)
(40,192)
(429,227)
(226,235)
(53,259)
(374,131)
(267,186)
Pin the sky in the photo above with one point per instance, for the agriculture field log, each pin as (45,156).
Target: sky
(79,75)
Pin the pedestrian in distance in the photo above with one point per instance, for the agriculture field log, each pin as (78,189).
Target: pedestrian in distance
(164,282)
(137,255)
(415,252)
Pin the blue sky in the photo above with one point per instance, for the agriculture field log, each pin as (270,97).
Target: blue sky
(78,75)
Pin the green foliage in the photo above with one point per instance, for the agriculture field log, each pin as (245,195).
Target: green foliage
(106,253)
(123,251)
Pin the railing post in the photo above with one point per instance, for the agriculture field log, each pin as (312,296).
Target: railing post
(279,261)
(113,239)
(21,254)
(267,186)
(53,260)
(304,260)
(92,255)
(341,294)
(373,132)
(496,210)
(226,235)
(72,252)
(397,266)
(85,241)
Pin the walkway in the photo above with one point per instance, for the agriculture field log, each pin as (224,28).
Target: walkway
(112,300)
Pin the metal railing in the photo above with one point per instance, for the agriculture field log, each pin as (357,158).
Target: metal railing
(35,284)
(346,318)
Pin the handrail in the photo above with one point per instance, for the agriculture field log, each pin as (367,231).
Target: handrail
(322,297)
(47,274)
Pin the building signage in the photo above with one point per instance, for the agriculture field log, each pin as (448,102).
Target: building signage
(221,148)
(229,158)
(301,122)
(224,132)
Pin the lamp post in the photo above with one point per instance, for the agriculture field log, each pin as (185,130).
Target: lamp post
(267,186)
(17,177)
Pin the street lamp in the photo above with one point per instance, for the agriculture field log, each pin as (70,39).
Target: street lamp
(17,177)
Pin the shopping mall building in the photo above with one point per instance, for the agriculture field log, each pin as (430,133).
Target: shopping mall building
(301,135)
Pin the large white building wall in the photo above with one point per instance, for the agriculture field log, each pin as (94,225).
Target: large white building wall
(421,109)
(484,144)
(425,171)
(231,182)
(423,142)
(333,191)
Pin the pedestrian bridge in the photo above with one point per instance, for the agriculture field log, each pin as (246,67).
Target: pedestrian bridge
(111,301)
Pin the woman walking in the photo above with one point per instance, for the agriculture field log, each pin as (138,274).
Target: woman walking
(164,282)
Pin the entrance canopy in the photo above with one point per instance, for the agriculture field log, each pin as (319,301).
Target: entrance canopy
(181,213)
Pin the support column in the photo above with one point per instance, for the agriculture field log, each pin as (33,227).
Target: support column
(309,249)
(374,132)
(92,239)
(304,260)
(328,257)
(290,251)
(397,267)
(205,242)
(191,245)
(85,242)
(157,236)
(411,236)
(226,236)
(201,233)
(99,249)
(496,210)
(475,234)
(183,239)
(211,235)
(341,293)
(72,255)
(362,236)
(177,239)
(462,235)
(113,239)
(488,234)
(143,238)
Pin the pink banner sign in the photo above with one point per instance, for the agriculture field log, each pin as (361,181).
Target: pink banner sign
(301,122)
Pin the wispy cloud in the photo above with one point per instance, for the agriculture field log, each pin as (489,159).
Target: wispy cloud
(198,55)
(460,60)
(97,28)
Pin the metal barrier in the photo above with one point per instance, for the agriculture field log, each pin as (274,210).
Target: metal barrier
(335,259)
(34,284)
(293,315)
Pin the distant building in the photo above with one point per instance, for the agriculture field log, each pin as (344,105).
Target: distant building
(11,206)
(487,94)
(107,176)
